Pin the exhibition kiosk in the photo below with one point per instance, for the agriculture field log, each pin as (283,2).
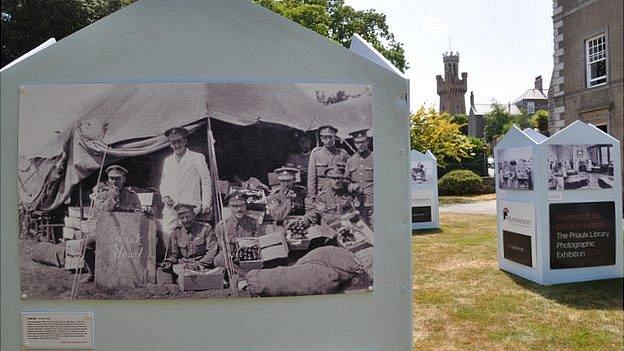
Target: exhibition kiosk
(424,190)
(559,206)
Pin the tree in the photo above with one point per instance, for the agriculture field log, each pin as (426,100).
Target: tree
(497,122)
(462,120)
(337,21)
(540,121)
(26,24)
(432,131)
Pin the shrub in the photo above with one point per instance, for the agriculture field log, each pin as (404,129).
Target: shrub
(460,182)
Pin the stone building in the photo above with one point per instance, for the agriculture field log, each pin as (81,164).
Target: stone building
(451,88)
(477,112)
(588,72)
(533,99)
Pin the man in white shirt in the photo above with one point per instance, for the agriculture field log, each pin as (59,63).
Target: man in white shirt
(185,179)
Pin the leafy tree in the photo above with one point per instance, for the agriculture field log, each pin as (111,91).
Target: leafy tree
(27,23)
(540,121)
(497,123)
(432,131)
(337,21)
(462,120)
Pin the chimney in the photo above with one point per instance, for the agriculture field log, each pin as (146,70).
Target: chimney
(538,84)
(471,99)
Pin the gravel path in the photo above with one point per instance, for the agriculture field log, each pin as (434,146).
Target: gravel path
(481,207)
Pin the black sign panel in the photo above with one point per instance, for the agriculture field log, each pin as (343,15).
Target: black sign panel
(517,248)
(421,214)
(582,235)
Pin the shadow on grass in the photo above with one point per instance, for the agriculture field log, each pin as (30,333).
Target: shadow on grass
(426,231)
(601,294)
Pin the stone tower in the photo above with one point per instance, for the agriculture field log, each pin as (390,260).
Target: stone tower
(451,88)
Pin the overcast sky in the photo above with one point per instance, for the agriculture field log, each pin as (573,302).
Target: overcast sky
(503,44)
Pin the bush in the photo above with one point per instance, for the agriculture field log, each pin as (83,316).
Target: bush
(460,182)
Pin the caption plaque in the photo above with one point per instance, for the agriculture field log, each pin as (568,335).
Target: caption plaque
(57,330)
(582,235)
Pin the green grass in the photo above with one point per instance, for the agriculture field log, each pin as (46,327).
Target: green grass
(466,199)
(462,301)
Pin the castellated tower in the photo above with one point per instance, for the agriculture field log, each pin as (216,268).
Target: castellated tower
(452,89)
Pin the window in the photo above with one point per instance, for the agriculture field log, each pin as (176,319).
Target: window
(596,58)
(530,107)
(603,127)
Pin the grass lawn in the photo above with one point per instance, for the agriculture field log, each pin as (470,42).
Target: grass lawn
(448,200)
(462,301)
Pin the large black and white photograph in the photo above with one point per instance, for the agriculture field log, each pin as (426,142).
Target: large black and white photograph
(195,190)
(580,166)
(515,168)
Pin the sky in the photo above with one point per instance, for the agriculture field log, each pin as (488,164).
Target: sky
(502,44)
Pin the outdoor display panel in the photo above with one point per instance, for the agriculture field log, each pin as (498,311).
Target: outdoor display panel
(424,190)
(249,136)
(209,42)
(567,227)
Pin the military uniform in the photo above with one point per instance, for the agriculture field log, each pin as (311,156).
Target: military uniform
(330,205)
(360,171)
(197,242)
(232,228)
(284,202)
(124,200)
(321,159)
(288,198)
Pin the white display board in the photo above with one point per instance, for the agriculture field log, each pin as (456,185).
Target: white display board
(424,190)
(211,41)
(565,224)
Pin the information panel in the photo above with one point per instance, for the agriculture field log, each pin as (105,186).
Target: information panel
(582,234)
(57,330)
(519,232)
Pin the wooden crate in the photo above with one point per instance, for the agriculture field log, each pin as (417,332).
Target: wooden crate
(189,280)
(126,250)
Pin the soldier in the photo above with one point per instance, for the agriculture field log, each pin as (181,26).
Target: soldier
(360,173)
(334,202)
(114,196)
(301,160)
(191,242)
(288,198)
(185,179)
(238,225)
(322,158)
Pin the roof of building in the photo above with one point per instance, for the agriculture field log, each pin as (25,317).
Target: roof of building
(531,94)
(482,109)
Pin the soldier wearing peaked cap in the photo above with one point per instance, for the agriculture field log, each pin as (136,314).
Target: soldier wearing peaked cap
(360,174)
(114,196)
(109,196)
(238,225)
(322,158)
(191,241)
(288,198)
(334,201)
(185,179)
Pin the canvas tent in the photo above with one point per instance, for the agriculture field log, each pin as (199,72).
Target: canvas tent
(126,120)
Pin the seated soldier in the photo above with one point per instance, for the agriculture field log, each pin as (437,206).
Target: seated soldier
(334,201)
(192,242)
(112,196)
(237,225)
(288,198)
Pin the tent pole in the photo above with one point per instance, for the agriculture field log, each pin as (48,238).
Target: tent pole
(223,242)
